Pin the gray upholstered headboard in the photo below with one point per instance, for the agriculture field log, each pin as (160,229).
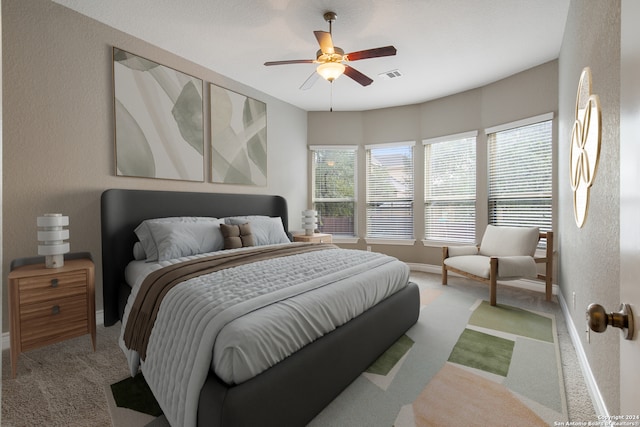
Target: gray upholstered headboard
(123,210)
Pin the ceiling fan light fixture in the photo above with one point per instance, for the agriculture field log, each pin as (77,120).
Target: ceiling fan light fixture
(331,70)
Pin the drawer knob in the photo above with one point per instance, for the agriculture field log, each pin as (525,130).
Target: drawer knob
(54,283)
(55,309)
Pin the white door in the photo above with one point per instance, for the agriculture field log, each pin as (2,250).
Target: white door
(630,201)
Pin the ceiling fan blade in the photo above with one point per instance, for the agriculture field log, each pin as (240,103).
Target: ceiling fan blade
(357,76)
(371,53)
(291,61)
(310,81)
(325,41)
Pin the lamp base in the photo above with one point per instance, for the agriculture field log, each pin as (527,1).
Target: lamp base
(54,261)
(308,232)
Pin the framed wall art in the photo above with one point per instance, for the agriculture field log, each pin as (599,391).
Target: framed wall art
(238,138)
(158,120)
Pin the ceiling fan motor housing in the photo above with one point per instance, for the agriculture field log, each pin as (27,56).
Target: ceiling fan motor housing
(336,56)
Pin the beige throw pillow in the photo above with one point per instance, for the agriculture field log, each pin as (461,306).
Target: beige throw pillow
(237,236)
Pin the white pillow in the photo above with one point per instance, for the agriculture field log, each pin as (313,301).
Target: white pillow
(266,230)
(138,252)
(167,238)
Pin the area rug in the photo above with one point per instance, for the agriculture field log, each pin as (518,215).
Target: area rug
(464,363)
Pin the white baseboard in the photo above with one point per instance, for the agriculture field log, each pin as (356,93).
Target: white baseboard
(592,386)
(6,342)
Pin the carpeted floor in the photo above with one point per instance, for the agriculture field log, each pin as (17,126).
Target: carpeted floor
(63,384)
(67,384)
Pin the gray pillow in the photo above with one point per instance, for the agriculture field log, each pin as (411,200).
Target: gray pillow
(175,237)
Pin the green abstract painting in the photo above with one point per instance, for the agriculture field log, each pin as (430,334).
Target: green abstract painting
(238,138)
(158,120)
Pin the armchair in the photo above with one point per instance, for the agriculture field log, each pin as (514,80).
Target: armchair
(505,253)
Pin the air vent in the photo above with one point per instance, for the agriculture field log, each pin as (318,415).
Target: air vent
(393,74)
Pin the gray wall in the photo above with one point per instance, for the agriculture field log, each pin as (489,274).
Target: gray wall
(526,94)
(589,256)
(58,142)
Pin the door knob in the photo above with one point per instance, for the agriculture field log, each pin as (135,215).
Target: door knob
(598,319)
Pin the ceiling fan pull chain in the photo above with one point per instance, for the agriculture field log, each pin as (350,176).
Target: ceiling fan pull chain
(331,99)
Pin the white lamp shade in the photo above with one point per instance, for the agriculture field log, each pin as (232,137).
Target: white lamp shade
(52,237)
(331,70)
(309,221)
(57,249)
(53,220)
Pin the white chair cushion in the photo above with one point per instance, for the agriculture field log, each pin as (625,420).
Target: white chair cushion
(477,265)
(514,267)
(509,241)
(509,267)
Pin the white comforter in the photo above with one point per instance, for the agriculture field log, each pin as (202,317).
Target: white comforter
(294,300)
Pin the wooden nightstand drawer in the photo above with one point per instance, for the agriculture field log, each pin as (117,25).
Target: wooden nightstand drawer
(53,286)
(51,321)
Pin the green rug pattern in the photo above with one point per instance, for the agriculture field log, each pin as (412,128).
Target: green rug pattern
(513,320)
(483,351)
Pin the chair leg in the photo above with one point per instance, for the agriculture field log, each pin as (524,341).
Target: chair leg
(493,281)
(548,286)
(549,266)
(445,254)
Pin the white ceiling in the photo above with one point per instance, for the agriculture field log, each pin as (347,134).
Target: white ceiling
(444,46)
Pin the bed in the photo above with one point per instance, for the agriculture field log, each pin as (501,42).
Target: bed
(292,391)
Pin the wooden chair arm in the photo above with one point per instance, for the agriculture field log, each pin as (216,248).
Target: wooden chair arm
(549,250)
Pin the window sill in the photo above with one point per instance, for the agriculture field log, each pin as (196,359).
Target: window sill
(345,240)
(397,242)
(441,243)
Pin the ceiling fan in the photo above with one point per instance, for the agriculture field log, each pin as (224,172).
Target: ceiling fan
(333,61)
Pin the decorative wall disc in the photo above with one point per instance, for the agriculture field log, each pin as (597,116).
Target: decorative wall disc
(585,146)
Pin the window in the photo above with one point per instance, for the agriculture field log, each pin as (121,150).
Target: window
(450,188)
(334,189)
(390,190)
(520,173)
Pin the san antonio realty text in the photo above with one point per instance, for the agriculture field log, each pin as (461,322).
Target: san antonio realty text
(612,421)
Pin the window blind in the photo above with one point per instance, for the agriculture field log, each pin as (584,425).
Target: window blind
(334,189)
(389,177)
(520,176)
(450,189)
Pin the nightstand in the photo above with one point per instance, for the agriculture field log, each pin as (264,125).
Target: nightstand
(48,305)
(315,238)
